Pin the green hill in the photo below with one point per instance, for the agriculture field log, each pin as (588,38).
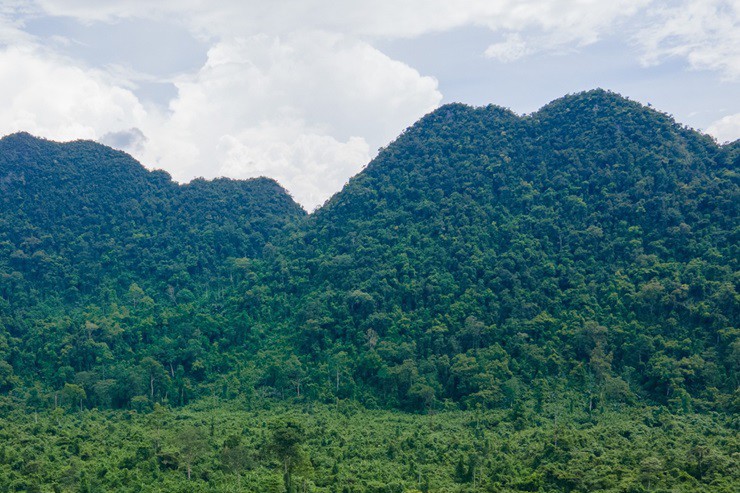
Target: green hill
(94,249)
(591,245)
(552,298)
(593,242)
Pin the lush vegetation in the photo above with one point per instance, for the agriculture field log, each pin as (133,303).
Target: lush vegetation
(595,240)
(105,265)
(227,447)
(570,273)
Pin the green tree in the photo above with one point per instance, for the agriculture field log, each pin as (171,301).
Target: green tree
(73,395)
(192,444)
(286,443)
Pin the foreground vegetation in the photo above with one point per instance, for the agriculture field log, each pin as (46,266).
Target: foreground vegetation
(301,446)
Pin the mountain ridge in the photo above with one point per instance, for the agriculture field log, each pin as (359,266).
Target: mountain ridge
(29,140)
(620,106)
(476,226)
(580,246)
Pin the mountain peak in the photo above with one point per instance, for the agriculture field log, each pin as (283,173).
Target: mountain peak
(21,141)
(456,111)
(595,102)
(19,136)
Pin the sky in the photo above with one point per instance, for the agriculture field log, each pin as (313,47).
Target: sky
(306,91)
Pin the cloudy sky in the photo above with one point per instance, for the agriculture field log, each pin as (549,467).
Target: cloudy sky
(305,91)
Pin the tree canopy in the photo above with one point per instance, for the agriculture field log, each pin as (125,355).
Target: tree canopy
(562,265)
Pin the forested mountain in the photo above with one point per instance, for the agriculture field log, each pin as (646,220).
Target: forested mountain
(79,217)
(94,249)
(594,241)
(580,259)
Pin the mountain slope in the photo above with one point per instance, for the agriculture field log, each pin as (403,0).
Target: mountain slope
(104,264)
(594,240)
(80,216)
(483,258)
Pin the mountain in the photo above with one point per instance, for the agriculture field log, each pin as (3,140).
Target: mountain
(483,259)
(102,260)
(593,243)
(80,217)
(552,297)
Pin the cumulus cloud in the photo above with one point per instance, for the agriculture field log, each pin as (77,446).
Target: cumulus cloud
(50,97)
(308,109)
(726,129)
(706,33)
(312,165)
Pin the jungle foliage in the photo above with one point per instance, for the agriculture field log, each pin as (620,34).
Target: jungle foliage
(481,264)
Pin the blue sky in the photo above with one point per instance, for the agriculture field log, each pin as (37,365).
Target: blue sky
(305,91)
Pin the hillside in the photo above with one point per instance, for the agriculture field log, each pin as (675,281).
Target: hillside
(560,288)
(94,249)
(593,241)
(78,216)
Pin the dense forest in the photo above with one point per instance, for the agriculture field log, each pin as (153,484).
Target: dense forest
(497,302)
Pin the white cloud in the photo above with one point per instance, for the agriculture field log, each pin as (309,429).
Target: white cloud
(308,109)
(309,164)
(726,129)
(11,31)
(706,33)
(385,18)
(539,26)
(48,96)
(512,49)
